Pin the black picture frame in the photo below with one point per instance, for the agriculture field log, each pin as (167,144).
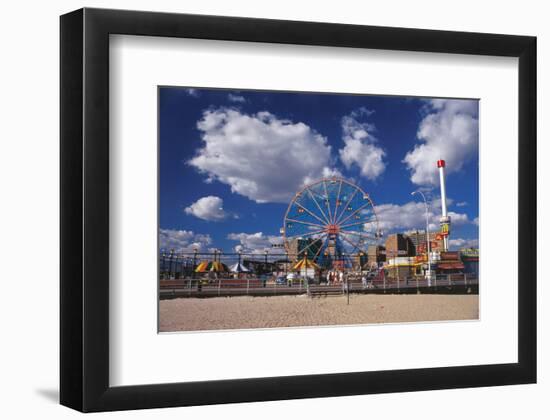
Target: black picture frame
(84,127)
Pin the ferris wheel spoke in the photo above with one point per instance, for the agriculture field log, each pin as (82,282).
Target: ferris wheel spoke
(321,247)
(356,211)
(346,206)
(311,244)
(362,240)
(305,234)
(355,232)
(342,245)
(305,223)
(358,223)
(350,242)
(318,206)
(312,214)
(327,200)
(363,235)
(336,204)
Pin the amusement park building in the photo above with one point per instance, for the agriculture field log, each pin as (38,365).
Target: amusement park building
(470,259)
(399,244)
(418,239)
(406,256)
(376,254)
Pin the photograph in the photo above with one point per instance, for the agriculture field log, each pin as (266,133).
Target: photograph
(286,209)
(271,210)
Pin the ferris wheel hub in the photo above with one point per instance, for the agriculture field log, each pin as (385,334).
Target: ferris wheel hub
(333,229)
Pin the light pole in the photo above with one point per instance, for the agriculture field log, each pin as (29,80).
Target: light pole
(170,266)
(266,269)
(182,265)
(240,253)
(195,250)
(345,280)
(429,274)
(163,265)
(286,264)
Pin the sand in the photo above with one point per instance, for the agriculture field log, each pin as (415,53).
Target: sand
(193,314)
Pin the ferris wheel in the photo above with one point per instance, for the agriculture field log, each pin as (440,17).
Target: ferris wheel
(328,220)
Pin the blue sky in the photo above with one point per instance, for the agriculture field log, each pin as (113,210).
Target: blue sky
(231,160)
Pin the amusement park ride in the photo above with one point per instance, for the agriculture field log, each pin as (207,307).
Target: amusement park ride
(335,217)
(335,220)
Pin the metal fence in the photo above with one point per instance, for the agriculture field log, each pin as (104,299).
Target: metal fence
(268,276)
(174,265)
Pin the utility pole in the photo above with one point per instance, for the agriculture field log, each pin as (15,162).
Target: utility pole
(428,249)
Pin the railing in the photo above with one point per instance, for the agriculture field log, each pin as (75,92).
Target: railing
(179,265)
(254,286)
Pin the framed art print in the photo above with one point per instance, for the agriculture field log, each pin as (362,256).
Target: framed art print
(258,209)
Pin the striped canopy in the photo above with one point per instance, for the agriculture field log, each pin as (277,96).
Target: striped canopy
(206,266)
(304,264)
(239,268)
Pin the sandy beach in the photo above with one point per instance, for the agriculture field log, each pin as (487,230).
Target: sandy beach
(193,314)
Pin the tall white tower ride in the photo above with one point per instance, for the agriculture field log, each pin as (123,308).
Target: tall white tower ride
(445,220)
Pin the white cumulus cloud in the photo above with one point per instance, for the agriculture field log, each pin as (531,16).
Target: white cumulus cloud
(463,243)
(412,215)
(449,131)
(254,242)
(236,98)
(193,92)
(260,156)
(458,218)
(207,208)
(326,172)
(361,147)
(183,240)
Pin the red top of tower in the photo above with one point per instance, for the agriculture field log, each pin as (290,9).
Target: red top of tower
(441,163)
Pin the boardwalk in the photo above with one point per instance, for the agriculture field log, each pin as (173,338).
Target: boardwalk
(177,289)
